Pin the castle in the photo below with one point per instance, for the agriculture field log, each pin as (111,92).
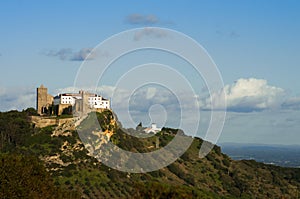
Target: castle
(68,103)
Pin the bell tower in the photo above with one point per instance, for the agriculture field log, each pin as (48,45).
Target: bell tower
(43,99)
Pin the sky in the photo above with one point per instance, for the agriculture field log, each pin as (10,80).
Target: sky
(254,44)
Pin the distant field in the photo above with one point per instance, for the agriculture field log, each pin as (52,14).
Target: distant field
(286,156)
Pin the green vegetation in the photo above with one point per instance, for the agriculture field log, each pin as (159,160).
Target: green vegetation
(26,177)
(14,128)
(63,168)
(159,190)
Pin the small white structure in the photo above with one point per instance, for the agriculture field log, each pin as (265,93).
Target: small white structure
(94,100)
(152,129)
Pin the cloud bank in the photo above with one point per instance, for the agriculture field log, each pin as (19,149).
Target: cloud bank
(244,95)
(259,107)
(17,98)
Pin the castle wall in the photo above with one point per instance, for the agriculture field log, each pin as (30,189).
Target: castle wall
(41,122)
(63,107)
(49,99)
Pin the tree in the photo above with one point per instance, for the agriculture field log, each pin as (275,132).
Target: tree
(26,177)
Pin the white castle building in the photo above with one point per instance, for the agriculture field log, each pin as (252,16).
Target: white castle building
(152,129)
(68,103)
(94,100)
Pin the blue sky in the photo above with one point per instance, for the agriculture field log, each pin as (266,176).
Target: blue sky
(255,44)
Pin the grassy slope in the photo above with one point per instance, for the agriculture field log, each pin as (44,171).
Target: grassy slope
(215,176)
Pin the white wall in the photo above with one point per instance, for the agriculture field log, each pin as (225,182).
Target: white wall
(94,101)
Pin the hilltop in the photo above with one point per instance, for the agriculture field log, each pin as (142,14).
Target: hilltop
(60,157)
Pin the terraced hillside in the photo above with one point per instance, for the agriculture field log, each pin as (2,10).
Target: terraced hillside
(70,168)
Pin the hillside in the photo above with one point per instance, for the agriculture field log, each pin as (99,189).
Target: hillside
(62,159)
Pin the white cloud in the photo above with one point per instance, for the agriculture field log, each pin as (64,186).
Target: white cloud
(17,98)
(151,93)
(2,91)
(292,103)
(246,95)
(149,32)
(65,90)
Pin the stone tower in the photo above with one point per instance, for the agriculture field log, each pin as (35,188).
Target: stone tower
(43,100)
(85,103)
